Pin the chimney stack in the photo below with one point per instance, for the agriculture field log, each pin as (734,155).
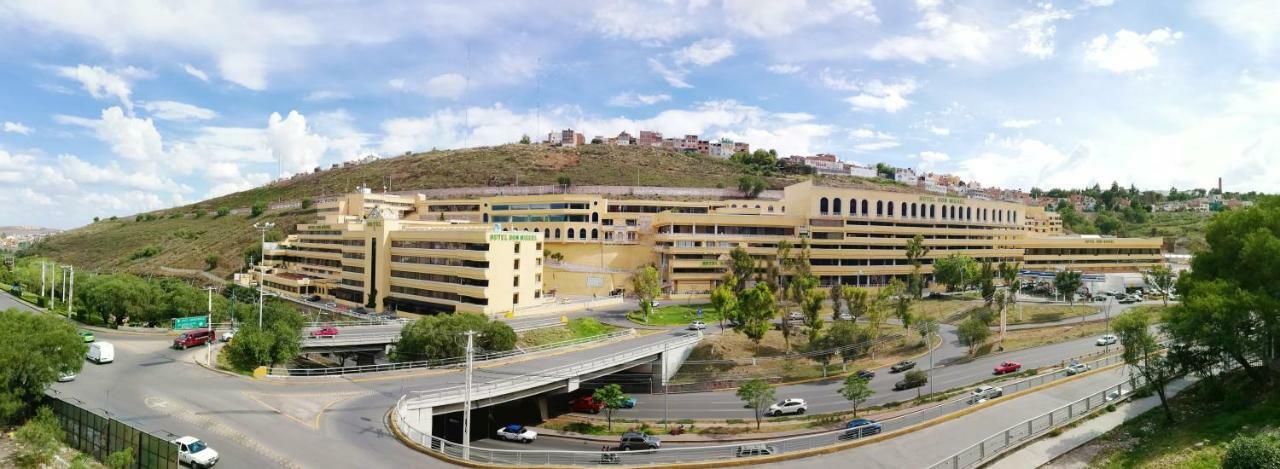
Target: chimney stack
(1219,185)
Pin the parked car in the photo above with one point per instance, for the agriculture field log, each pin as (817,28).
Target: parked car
(327,331)
(1007,367)
(902,366)
(985,393)
(1077,368)
(788,406)
(1109,339)
(360,310)
(195,453)
(846,317)
(193,338)
(697,326)
(586,404)
(638,440)
(228,335)
(1130,299)
(331,304)
(101,352)
(313,298)
(866,374)
(87,336)
(746,451)
(858,428)
(517,433)
(795,316)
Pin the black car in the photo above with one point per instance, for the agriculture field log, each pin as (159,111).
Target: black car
(638,440)
(907,384)
(902,366)
(866,374)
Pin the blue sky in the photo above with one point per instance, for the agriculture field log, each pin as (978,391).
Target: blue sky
(111,108)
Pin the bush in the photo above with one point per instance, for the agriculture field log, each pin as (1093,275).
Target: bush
(258,208)
(223,211)
(307,203)
(122,459)
(40,438)
(1252,452)
(1111,407)
(735,421)
(146,252)
(211,261)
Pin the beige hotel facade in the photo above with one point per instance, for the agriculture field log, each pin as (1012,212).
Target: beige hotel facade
(498,254)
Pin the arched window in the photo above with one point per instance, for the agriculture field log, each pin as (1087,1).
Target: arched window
(558,233)
(864,208)
(913,210)
(903,213)
(879,208)
(770,209)
(486,218)
(835,206)
(968,213)
(570,233)
(546,233)
(853,206)
(595,217)
(933,211)
(582,233)
(890,209)
(595,234)
(822,206)
(733,206)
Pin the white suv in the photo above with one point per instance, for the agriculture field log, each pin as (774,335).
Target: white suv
(195,453)
(984,393)
(1109,339)
(788,406)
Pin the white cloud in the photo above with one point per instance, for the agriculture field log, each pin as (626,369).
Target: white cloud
(31,197)
(293,144)
(650,23)
(872,140)
(129,137)
(932,157)
(195,72)
(838,81)
(449,85)
(16,128)
(1129,51)
(1038,30)
(1099,3)
(705,52)
(1250,20)
(176,111)
(785,69)
(876,146)
(865,133)
(940,130)
(943,39)
(397,83)
(101,83)
(243,183)
(327,95)
(771,18)
(889,97)
(673,77)
(631,99)
(1019,123)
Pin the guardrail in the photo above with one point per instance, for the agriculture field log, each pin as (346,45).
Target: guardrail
(444,362)
(532,324)
(342,340)
(690,454)
(451,395)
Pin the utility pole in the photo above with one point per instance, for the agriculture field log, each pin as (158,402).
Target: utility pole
(209,345)
(261,296)
(929,343)
(466,398)
(666,408)
(71,297)
(42,266)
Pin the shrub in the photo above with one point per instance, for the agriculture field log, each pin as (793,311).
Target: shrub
(145,252)
(122,459)
(41,438)
(1111,407)
(307,203)
(223,211)
(1252,452)
(258,208)
(198,214)
(139,217)
(735,421)
(211,261)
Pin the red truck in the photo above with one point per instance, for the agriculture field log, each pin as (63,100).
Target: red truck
(1008,367)
(586,404)
(193,338)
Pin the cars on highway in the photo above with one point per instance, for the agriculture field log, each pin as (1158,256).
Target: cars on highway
(1077,368)
(858,428)
(746,451)
(517,433)
(902,366)
(1007,367)
(87,336)
(907,384)
(195,453)
(586,404)
(1129,299)
(865,374)
(788,406)
(312,298)
(629,403)
(697,326)
(985,393)
(638,440)
(193,338)
(846,317)
(101,352)
(1109,339)
(327,331)
(228,335)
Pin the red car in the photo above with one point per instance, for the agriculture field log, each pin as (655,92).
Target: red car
(329,331)
(193,338)
(586,404)
(1008,367)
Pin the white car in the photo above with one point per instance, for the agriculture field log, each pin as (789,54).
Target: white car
(331,304)
(517,433)
(795,316)
(1109,339)
(1077,368)
(227,336)
(65,376)
(984,393)
(195,453)
(697,326)
(788,406)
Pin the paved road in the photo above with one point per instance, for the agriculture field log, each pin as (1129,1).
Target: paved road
(1115,309)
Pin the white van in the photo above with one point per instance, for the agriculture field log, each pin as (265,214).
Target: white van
(101,352)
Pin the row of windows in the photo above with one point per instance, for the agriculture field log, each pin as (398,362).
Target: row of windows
(544,206)
(440,278)
(1089,251)
(1090,261)
(353,269)
(449,245)
(338,242)
(440,261)
(835,206)
(654,209)
(453,208)
(439,295)
(322,232)
(727,230)
(538,218)
(311,249)
(353,255)
(352,282)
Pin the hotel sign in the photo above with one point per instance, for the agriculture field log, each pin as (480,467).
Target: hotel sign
(1099,241)
(512,237)
(945,200)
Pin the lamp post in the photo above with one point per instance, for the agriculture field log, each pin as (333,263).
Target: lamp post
(209,345)
(466,398)
(71,294)
(929,343)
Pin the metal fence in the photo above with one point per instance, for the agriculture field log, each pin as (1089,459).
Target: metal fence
(100,436)
(688,454)
(444,362)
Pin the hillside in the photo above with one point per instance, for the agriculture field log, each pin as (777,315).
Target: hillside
(178,238)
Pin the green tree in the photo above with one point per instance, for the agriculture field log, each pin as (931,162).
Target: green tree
(742,266)
(40,438)
(1142,352)
(444,336)
(613,399)
(1252,452)
(954,270)
(758,395)
(851,338)
(856,390)
(837,300)
(122,459)
(1009,275)
(986,282)
(524,139)
(972,333)
(915,251)
(811,305)
(916,379)
(821,349)
(211,261)
(564,181)
(756,308)
(1162,278)
(646,286)
(859,301)
(223,211)
(751,185)
(901,299)
(1068,282)
(1220,319)
(34,350)
(307,203)
(926,328)
(724,301)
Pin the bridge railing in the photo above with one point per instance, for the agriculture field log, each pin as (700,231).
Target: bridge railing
(451,395)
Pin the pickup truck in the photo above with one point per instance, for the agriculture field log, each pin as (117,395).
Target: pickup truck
(1007,367)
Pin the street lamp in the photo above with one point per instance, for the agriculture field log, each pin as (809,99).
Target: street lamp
(209,345)
(466,398)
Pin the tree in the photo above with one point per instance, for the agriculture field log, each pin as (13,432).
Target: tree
(257,209)
(742,265)
(915,251)
(954,270)
(444,336)
(858,300)
(916,379)
(821,349)
(851,338)
(1068,282)
(563,181)
(756,308)
(837,300)
(40,438)
(926,328)
(856,390)
(757,394)
(811,305)
(724,301)
(613,399)
(987,283)
(123,459)
(36,348)
(752,185)
(645,284)
(1142,352)
(1009,275)
(524,139)
(901,302)
(1252,452)
(1162,278)
(211,261)
(972,333)
(307,203)
(1220,319)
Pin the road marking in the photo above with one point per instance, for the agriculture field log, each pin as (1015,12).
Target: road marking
(186,415)
(284,408)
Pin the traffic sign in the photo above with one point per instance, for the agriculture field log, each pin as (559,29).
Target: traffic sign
(193,322)
(699,312)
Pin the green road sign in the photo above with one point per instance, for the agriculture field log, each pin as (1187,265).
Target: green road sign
(193,322)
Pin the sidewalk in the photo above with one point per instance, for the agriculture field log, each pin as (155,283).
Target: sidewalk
(1044,450)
